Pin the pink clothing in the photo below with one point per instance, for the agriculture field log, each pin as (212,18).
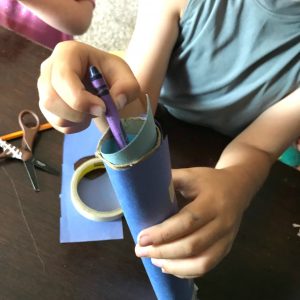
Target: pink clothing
(17,17)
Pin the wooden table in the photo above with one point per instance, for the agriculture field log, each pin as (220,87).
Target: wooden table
(263,264)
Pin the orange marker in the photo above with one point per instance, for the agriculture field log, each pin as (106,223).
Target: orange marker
(17,134)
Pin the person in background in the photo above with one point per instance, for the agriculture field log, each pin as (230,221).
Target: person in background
(231,65)
(47,22)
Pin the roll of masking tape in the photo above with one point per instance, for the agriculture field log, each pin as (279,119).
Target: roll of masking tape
(80,206)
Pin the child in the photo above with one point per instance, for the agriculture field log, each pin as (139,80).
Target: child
(47,21)
(233,65)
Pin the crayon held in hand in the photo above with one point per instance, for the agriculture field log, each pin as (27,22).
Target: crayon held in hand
(112,115)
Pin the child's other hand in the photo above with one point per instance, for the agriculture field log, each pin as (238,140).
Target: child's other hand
(64,100)
(194,240)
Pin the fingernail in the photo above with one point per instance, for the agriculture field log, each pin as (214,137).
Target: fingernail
(157,262)
(141,251)
(144,240)
(97,111)
(121,101)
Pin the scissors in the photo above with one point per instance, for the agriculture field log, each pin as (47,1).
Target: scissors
(29,123)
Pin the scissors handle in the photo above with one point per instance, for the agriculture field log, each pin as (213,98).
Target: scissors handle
(29,122)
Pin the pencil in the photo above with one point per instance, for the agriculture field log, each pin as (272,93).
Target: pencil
(17,134)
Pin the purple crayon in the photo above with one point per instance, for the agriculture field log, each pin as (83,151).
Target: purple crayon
(112,115)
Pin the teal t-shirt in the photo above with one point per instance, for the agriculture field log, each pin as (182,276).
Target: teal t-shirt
(232,60)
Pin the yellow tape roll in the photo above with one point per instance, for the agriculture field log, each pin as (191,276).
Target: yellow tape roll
(81,207)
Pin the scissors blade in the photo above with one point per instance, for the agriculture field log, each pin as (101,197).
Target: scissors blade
(44,166)
(31,174)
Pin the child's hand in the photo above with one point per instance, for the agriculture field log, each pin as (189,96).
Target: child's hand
(64,100)
(194,240)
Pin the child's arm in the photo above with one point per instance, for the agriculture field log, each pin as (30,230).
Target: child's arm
(152,42)
(267,137)
(193,241)
(69,16)
(63,98)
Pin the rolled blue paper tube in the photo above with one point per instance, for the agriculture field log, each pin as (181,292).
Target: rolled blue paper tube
(145,192)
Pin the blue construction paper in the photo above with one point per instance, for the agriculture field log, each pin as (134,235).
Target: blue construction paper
(145,190)
(146,195)
(73,226)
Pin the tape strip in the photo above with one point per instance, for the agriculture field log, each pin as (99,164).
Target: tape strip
(81,207)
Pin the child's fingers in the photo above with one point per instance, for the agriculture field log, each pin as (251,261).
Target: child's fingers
(50,101)
(198,265)
(181,224)
(179,178)
(188,246)
(184,181)
(61,87)
(56,111)
(63,125)
(120,79)
(74,103)
(67,73)
(70,66)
